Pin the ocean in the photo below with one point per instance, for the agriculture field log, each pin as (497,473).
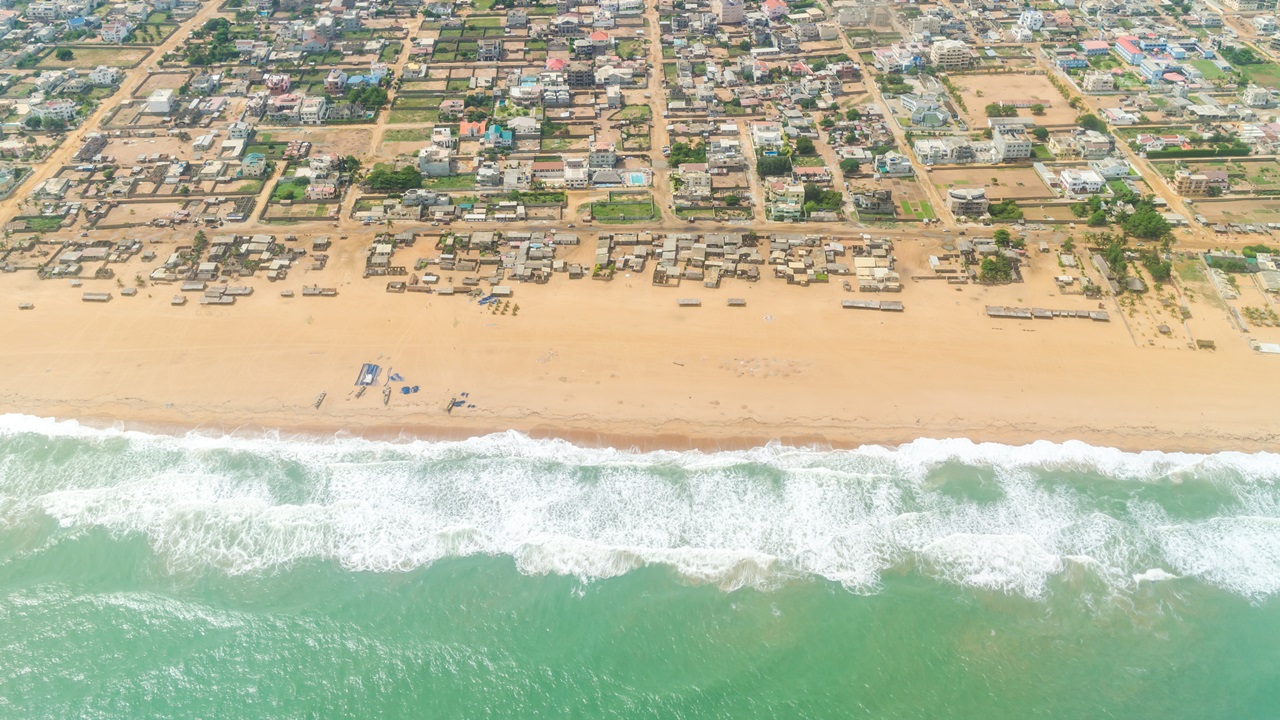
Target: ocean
(153,576)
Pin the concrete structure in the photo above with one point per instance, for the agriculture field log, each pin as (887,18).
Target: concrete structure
(949,54)
(968,202)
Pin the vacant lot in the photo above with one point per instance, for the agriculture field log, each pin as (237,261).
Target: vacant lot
(90,58)
(1240,211)
(978,91)
(1001,182)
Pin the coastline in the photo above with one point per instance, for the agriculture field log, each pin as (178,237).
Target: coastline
(619,365)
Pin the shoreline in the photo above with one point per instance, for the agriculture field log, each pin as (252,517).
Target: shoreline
(638,441)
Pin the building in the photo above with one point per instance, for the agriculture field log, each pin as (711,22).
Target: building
(1257,97)
(1095,47)
(253,165)
(160,102)
(63,110)
(1081,182)
(313,110)
(729,12)
(602,155)
(435,161)
(1191,184)
(115,31)
(489,50)
(968,202)
(948,54)
(105,75)
(1012,142)
(1031,19)
(1248,5)
(1098,81)
(1127,48)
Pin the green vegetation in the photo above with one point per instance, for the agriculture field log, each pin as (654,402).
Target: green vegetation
(773,166)
(849,166)
(805,146)
(816,199)
(623,209)
(682,153)
(64,54)
(1089,121)
(290,189)
(1251,251)
(370,98)
(450,182)
(996,110)
(1147,224)
(995,269)
(219,47)
(382,179)
(1005,210)
(43,224)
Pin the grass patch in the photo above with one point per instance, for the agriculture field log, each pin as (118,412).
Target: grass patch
(44,224)
(291,189)
(272,151)
(622,211)
(808,161)
(407,135)
(451,182)
(1208,69)
(409,117)
(390,53)
(634,112)
(251,186)
(458,84)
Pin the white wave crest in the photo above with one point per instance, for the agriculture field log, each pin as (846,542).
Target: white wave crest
(752,518)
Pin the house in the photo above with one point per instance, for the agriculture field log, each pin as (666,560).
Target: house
(894,164)
(1031,19)
(468,130)
(489,50)
(498,137)
(115,31)
(253,165)
(1127,48)
(766,136)
(436,161)
(1081,182)
(875,202)
(105,75)
(313,110)
(728,12)
(335,82)
(774,9)
(1111,168)
(239,130)
(63,110)
(1012,142)
(277,83)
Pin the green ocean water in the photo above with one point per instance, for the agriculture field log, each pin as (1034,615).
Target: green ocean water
(152,577)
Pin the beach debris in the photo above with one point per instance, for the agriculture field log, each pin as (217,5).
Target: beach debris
(395,377)
(319,399)
(26,306)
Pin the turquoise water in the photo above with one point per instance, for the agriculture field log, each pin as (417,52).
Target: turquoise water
(150,576)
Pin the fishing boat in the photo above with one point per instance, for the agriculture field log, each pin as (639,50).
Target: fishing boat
(360,392)
(319,399)
(386,395)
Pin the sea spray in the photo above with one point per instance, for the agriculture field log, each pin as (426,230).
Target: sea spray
(243,505)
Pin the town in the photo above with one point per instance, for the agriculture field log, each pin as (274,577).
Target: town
(1116,159)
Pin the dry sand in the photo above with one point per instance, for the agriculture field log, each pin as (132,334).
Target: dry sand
(619,363)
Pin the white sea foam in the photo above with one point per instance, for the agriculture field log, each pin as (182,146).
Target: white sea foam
(749,518)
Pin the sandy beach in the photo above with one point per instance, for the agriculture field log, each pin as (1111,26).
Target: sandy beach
(620,364)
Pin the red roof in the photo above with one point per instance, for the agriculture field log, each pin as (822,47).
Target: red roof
(599,35)
(556,63)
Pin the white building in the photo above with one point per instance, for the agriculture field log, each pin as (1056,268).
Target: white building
(313,110)
(1012,142)
(160,102)
(63,110)
(105,75)
(1031,19)
(1081,182)
(949,54)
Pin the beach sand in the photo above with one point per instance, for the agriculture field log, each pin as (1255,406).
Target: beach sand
(620,364)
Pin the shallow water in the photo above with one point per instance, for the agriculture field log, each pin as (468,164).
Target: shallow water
(154,576)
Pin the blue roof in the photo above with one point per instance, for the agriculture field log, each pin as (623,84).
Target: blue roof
(75,22)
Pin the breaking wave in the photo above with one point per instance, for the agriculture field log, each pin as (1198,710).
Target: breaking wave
(1007,519)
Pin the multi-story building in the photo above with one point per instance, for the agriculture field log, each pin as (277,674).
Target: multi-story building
(949,54)
(728,12)
(1081,182)
(968,202)
(313,110)
(63,110)
(1031,19)
(602,155)
(1098,81)
(1012,142)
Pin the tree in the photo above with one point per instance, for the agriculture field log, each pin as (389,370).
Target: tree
(732,200)
(773,166)
(33,121)
(999,110)
(1037,109)
(745,46)
(1089,121)
(849,166)
(64,54)
(1005,210)
(1040,133)
(1002,237)
(994,269)
(1069,244)
(853,115)
(1098,218)
(804,146)
(55,124)
(1147,224)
